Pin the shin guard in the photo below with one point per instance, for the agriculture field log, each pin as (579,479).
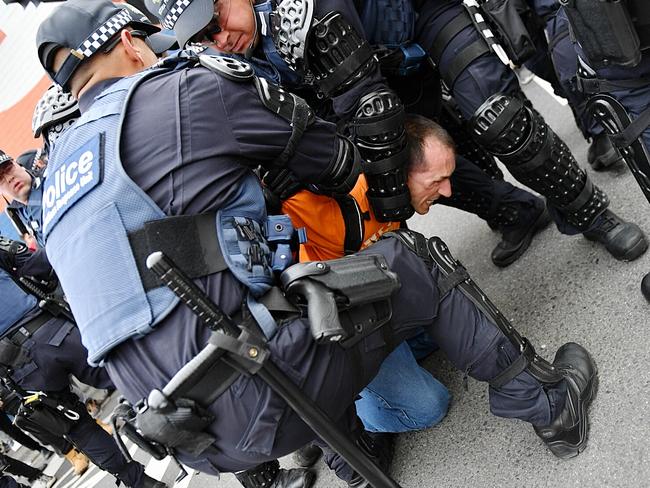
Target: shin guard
(452,274)
(538,158)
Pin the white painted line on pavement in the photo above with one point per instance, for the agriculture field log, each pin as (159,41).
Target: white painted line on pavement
(157,469)
(54,465)
(546,86)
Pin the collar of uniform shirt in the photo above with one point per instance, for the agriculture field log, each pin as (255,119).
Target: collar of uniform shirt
(87,99)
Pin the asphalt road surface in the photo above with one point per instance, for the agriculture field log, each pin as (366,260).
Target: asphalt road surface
(563,289)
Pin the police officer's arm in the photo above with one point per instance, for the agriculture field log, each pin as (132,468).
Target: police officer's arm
(345,102)
(319,155)
(18,261)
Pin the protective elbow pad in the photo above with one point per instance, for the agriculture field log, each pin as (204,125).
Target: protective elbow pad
(337,55)
(344,169)
(378,129)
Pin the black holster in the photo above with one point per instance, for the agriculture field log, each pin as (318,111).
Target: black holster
(358,285)
(55,416)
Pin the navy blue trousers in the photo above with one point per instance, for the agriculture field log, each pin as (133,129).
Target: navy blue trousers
(486,75)
(56,352)
(252,424)
(9,482)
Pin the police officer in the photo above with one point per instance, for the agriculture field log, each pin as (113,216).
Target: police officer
(616,68)
(480,83)
(483,87)
(554,60)
(41,351)
(25,190)
(213,124)
(517,214)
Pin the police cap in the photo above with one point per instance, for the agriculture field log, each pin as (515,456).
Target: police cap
(184,17)
(27,159)
(83,27)
(4,157)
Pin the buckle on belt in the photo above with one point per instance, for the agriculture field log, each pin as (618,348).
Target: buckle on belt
(255,256)
(24,332)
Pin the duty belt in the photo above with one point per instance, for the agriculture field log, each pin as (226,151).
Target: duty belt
(26,331)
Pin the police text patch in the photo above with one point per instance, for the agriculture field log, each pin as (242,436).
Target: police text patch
(70,181)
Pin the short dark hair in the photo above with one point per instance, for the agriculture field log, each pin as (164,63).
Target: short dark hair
(418,129)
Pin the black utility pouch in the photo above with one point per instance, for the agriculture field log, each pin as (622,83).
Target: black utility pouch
(605,31)
(507,17)
(40,412)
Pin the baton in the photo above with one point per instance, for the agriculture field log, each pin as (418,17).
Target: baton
(208,311)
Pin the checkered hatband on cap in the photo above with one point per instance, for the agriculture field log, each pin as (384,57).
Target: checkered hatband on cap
(5,157)
(175,12)
(107,30)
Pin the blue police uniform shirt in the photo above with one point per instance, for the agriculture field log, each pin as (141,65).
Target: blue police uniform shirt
(194,171)
(15,304)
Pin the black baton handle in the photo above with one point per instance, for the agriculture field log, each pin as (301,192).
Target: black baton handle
(305,407)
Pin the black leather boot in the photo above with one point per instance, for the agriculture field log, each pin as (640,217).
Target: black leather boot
(566,436)
(380,448)
(517,239)
(306,456)
(269,475)
(602,155)
(149,482)
(645,287)
(623,240)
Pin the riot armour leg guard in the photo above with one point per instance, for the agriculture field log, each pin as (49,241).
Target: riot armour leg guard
(452,274)
(572,374)
(452,120)
(538,158)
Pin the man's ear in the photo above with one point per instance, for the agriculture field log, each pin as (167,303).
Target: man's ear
(130,48)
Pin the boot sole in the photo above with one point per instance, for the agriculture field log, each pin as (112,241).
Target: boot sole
(564,450)
(543,221)
(633,253)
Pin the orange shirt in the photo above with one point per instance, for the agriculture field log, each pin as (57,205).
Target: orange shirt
(321,217)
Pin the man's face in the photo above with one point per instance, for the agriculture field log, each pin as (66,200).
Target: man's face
(236,21)
(430,180)
(15,182)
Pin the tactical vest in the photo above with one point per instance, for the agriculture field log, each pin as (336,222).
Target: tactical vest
(389,23)
(91,210)
(14,302)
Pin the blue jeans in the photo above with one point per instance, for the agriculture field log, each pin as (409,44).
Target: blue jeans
(403,396)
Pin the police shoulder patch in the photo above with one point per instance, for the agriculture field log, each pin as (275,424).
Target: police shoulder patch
(69,181)
(228,67)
